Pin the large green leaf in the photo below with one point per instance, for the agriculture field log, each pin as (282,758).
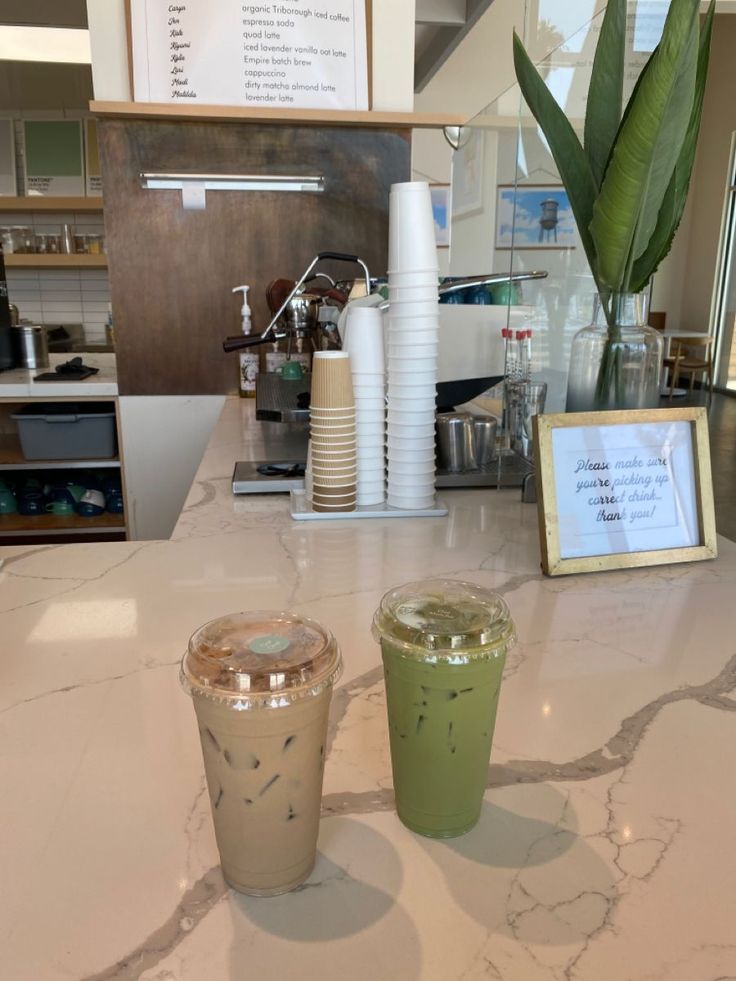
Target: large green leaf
(569,156)
(605,93)
(673,205)
(646,149)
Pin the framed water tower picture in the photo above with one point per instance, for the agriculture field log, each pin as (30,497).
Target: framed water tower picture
(534,216)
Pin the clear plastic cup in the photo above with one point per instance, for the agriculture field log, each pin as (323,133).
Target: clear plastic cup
(261,685)
(444,646)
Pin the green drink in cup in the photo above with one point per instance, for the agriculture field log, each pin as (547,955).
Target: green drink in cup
(444,647)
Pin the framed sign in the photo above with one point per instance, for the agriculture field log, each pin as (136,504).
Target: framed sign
(534,216)
(441,210)
(618,490)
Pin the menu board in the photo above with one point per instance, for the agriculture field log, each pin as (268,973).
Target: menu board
(292,54)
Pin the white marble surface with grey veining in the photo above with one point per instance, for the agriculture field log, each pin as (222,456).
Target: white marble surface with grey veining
(19,382)
(605,847)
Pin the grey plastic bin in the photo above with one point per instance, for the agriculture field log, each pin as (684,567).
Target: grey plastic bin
(67,430)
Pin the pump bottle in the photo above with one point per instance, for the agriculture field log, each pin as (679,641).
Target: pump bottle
(248,361)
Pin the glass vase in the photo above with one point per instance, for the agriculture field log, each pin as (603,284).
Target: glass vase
(616,362)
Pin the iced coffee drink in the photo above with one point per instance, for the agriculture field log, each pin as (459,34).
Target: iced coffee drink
(261,684)
(444,646)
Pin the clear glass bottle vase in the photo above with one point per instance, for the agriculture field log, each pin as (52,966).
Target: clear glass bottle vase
(616,362)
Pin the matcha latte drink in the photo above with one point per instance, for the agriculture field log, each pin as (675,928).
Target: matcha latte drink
(444,646)
(261,685)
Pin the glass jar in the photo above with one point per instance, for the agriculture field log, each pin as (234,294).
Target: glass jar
(616,362)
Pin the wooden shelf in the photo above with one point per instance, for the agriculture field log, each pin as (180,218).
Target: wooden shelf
(22,524)
(37,202)
(292,117)
(11,458)
(30,260)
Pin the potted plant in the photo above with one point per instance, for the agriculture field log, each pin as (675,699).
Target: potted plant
(627,183)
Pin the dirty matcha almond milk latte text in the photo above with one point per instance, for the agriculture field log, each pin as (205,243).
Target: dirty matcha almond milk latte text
(261,685)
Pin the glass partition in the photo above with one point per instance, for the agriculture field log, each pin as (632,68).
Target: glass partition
(510,212)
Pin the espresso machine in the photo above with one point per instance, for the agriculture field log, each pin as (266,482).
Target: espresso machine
(282,398)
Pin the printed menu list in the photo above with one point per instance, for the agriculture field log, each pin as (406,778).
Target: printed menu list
(291,54)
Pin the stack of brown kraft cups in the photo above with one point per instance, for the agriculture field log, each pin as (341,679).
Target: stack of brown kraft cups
(332,433)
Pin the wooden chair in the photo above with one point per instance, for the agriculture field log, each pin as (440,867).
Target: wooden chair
(688,359)
(657,319)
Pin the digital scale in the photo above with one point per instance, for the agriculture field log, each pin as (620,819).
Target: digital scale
(268,476)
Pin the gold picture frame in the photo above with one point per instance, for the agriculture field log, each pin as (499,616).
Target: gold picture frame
(601,478)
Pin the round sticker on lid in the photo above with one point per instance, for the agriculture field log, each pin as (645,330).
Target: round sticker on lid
(268,644)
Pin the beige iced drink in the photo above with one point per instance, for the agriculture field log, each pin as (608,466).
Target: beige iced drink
(261,685)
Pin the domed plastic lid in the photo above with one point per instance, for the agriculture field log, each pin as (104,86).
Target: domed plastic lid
(445,620)
(260,659)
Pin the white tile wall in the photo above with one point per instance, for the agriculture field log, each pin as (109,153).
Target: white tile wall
(61,296)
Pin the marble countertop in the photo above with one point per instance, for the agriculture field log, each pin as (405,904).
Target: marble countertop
(19,383)
(605,847)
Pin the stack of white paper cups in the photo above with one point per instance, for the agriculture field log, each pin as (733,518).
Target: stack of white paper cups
(332,433)
(413,340)
(364,343)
